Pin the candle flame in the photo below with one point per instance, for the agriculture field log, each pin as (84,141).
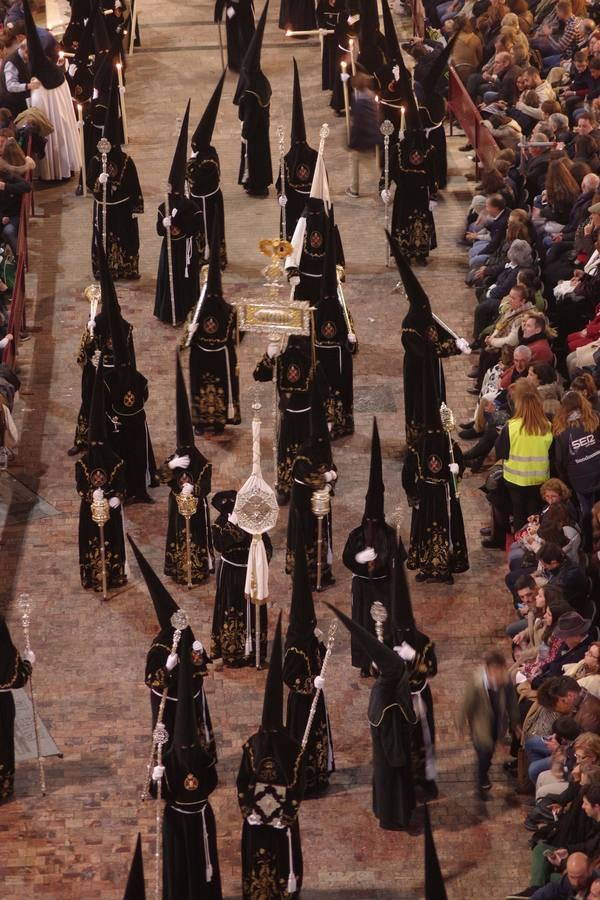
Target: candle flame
(288,32)
(376,99)
(119,65)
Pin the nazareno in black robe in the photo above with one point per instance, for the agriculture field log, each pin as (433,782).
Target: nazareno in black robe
(239,28)
(124,202)
(198,474)
(214,379)
(371,582)
(391,719)
(158,678)
(438,544)
(203,175)
(413,165)
(294,373)
(302,663)
(100,340)
(128,433)
(256,170)
(299,168)
(101,469)
(297,15)
(270,786)
(186,260)
(335,354)
(308,476)
(230,615)
(190,857)
(328,17)
(14,673)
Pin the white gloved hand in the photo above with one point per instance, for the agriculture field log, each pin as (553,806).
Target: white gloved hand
(330,476)
(520,678)
(272,349)
(432,205)
(103,177)
(463,346)
(254,819)
(282,200)
(29,655)
(91,325)
(114,502)
(344,76)
(157,773)
(98,494)
(353,19)
(318,633)
(187,489)
(454,468)
(232,517)
(386,196)
(198,647)
(167,222)
(277,823)
(396,73)
(172,660)
(351,337)
(230,12)
(96,359)
(294,280)
(406,652)
(179,462)
(365,556)
(319,682)
(192,329)
(72,70)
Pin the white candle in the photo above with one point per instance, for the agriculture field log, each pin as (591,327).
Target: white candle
(82,149)
(402,119)
(352,62)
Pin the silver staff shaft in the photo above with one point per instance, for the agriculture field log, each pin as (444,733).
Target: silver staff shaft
(315,700)
(25,607)
(170,259)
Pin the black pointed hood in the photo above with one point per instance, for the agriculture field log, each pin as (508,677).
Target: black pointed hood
(185,429)
(102,43)
(374,500)
(433,91)
(136,888)
(110,306)
(178,166)
(85,47)
(164,605)
(298,134)
(252,77)
(112,123)
(185,732)
(303,619)
(419,315)
(435,888)
(272,714)
(387,661)
(97,419)
(73,34)
(371,55)
(51,75)
(392,44)
(214,281)
(202,137)
(104,66)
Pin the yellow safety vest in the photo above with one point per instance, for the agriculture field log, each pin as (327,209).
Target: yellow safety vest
(528,461)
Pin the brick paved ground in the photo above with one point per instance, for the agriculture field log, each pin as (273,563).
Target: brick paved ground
(76,842)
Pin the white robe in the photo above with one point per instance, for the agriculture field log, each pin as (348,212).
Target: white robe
(63,154)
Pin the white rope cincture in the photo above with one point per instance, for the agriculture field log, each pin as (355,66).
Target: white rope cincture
(209,868)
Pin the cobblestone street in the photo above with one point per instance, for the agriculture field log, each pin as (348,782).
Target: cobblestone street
(76,843)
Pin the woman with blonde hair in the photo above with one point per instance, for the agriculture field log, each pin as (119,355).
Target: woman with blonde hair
(524,444)
(576,428)
(587,671)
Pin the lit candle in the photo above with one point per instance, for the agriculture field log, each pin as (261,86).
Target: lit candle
(122,102)
(82,149)
(344,66)
(402,119)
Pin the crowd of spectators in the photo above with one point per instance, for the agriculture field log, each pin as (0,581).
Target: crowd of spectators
(532,256)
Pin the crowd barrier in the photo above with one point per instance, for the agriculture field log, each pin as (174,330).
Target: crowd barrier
(462,107)
(17,318)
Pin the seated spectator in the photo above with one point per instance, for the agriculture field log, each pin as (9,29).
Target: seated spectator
(519,256)
(554,44)
(526,114)
(519,368)
(497,222)
(548,384)
(573,630)
(587,672)
(550,644)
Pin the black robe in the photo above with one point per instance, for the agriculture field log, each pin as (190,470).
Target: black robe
(158,678)
(438,544)
(105,470)
(204,180)
(344,33)
(198,474)
(100,340)
(271,789)
(15,673)
(298,170)
(302,663)
(335,355)
(308,258)
(328,17)
(124,202)
(239,28)
(256,171)
(297,15)
(391,719)
(293,371)
(189,827)
(128,433)
(308,476)
(424,348)
(230,616)
(186,261)
(413,169)
(214,378)
(371,582)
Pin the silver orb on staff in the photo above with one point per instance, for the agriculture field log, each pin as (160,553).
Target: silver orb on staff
(282,194)
(104,147)
(379,616)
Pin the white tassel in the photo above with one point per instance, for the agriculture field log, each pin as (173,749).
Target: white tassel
(291,882)
(188,254)
(248,647)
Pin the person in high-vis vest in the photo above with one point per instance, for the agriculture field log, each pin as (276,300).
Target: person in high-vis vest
(524,445)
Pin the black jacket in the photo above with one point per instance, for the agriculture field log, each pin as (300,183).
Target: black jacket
(564,657)
(577,457)
(10,197)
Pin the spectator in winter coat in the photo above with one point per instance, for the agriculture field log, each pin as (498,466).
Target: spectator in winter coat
(576,430)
